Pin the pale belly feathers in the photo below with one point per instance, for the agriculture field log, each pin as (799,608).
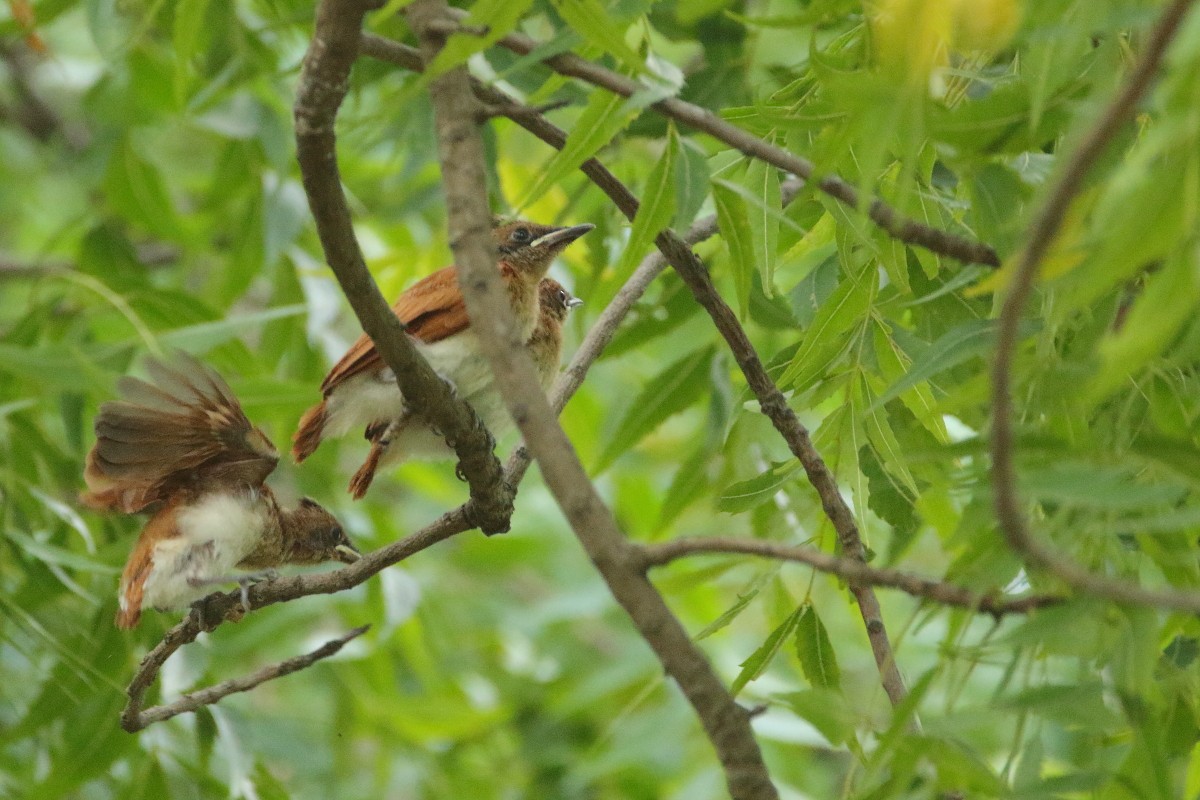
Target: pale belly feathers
(369,398)
(214,535)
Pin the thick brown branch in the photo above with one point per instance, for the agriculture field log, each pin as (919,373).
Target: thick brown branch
(322,87)
(461,153)
(852,570)
(1041,234)
(206,697)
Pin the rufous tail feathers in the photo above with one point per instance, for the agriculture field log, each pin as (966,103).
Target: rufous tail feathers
(308,435)
(366,473)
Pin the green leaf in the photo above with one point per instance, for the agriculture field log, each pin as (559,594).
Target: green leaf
(656,210)
(136,189)
(188,39)
(1167,302)
(824,339)
(597,26)
(815,651)
(500,17)
(745,495)
(675,388)
(1082,485)
(734,220)
(745,597)
(605,116)
(826,710)
(687,485)
(204,336)
(956,346)
(691,181)
(761,658)
(762,180)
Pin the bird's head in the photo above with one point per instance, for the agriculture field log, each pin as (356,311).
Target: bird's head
(530,247)
(556,302)
(317,536)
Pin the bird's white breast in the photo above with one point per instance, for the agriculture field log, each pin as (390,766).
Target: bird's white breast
(369,398)
(215,533)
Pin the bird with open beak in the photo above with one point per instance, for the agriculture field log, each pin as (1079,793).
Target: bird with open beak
(181,449)
(360,392)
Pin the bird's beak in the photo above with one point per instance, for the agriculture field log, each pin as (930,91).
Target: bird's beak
(561,237)
(346,554)
(574,302)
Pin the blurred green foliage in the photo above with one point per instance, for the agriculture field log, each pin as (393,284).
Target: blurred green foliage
(149,200)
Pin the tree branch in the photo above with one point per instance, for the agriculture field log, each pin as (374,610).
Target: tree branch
(322,87)
(851,570)
(1041,234)
(461,153)
(206,697)
(771,401)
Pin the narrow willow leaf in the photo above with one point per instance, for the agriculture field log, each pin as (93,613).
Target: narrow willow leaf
(735,229)
(883,440)
(187,39)
(691,181)
(675,388)
(499,17)
(206,335)
(745,597)
(605,116)
(827,711)
(761,658)
(687,485)
(656,210)
(1166,303)
(824,339)
(762,180)
(815,651)
(745,495)
(593,22)
(957,345)
(894,365)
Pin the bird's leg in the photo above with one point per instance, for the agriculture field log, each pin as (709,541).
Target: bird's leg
(243,581)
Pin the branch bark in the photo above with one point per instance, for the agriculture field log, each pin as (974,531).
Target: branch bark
(206,697)
(1041,234)
(852,570)
(461,153)
(322,87)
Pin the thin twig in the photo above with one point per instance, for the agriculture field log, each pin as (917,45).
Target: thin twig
(460,150)
(850,569)
(1041,234)
(206,697)
(321,89)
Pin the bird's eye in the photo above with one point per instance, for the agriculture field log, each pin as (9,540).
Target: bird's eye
(562,296)
(521,235)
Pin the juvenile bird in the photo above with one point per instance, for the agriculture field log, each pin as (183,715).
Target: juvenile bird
(360,392)
(409,436)
(182,449)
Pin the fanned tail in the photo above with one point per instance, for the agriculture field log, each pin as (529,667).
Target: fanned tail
(185,426)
